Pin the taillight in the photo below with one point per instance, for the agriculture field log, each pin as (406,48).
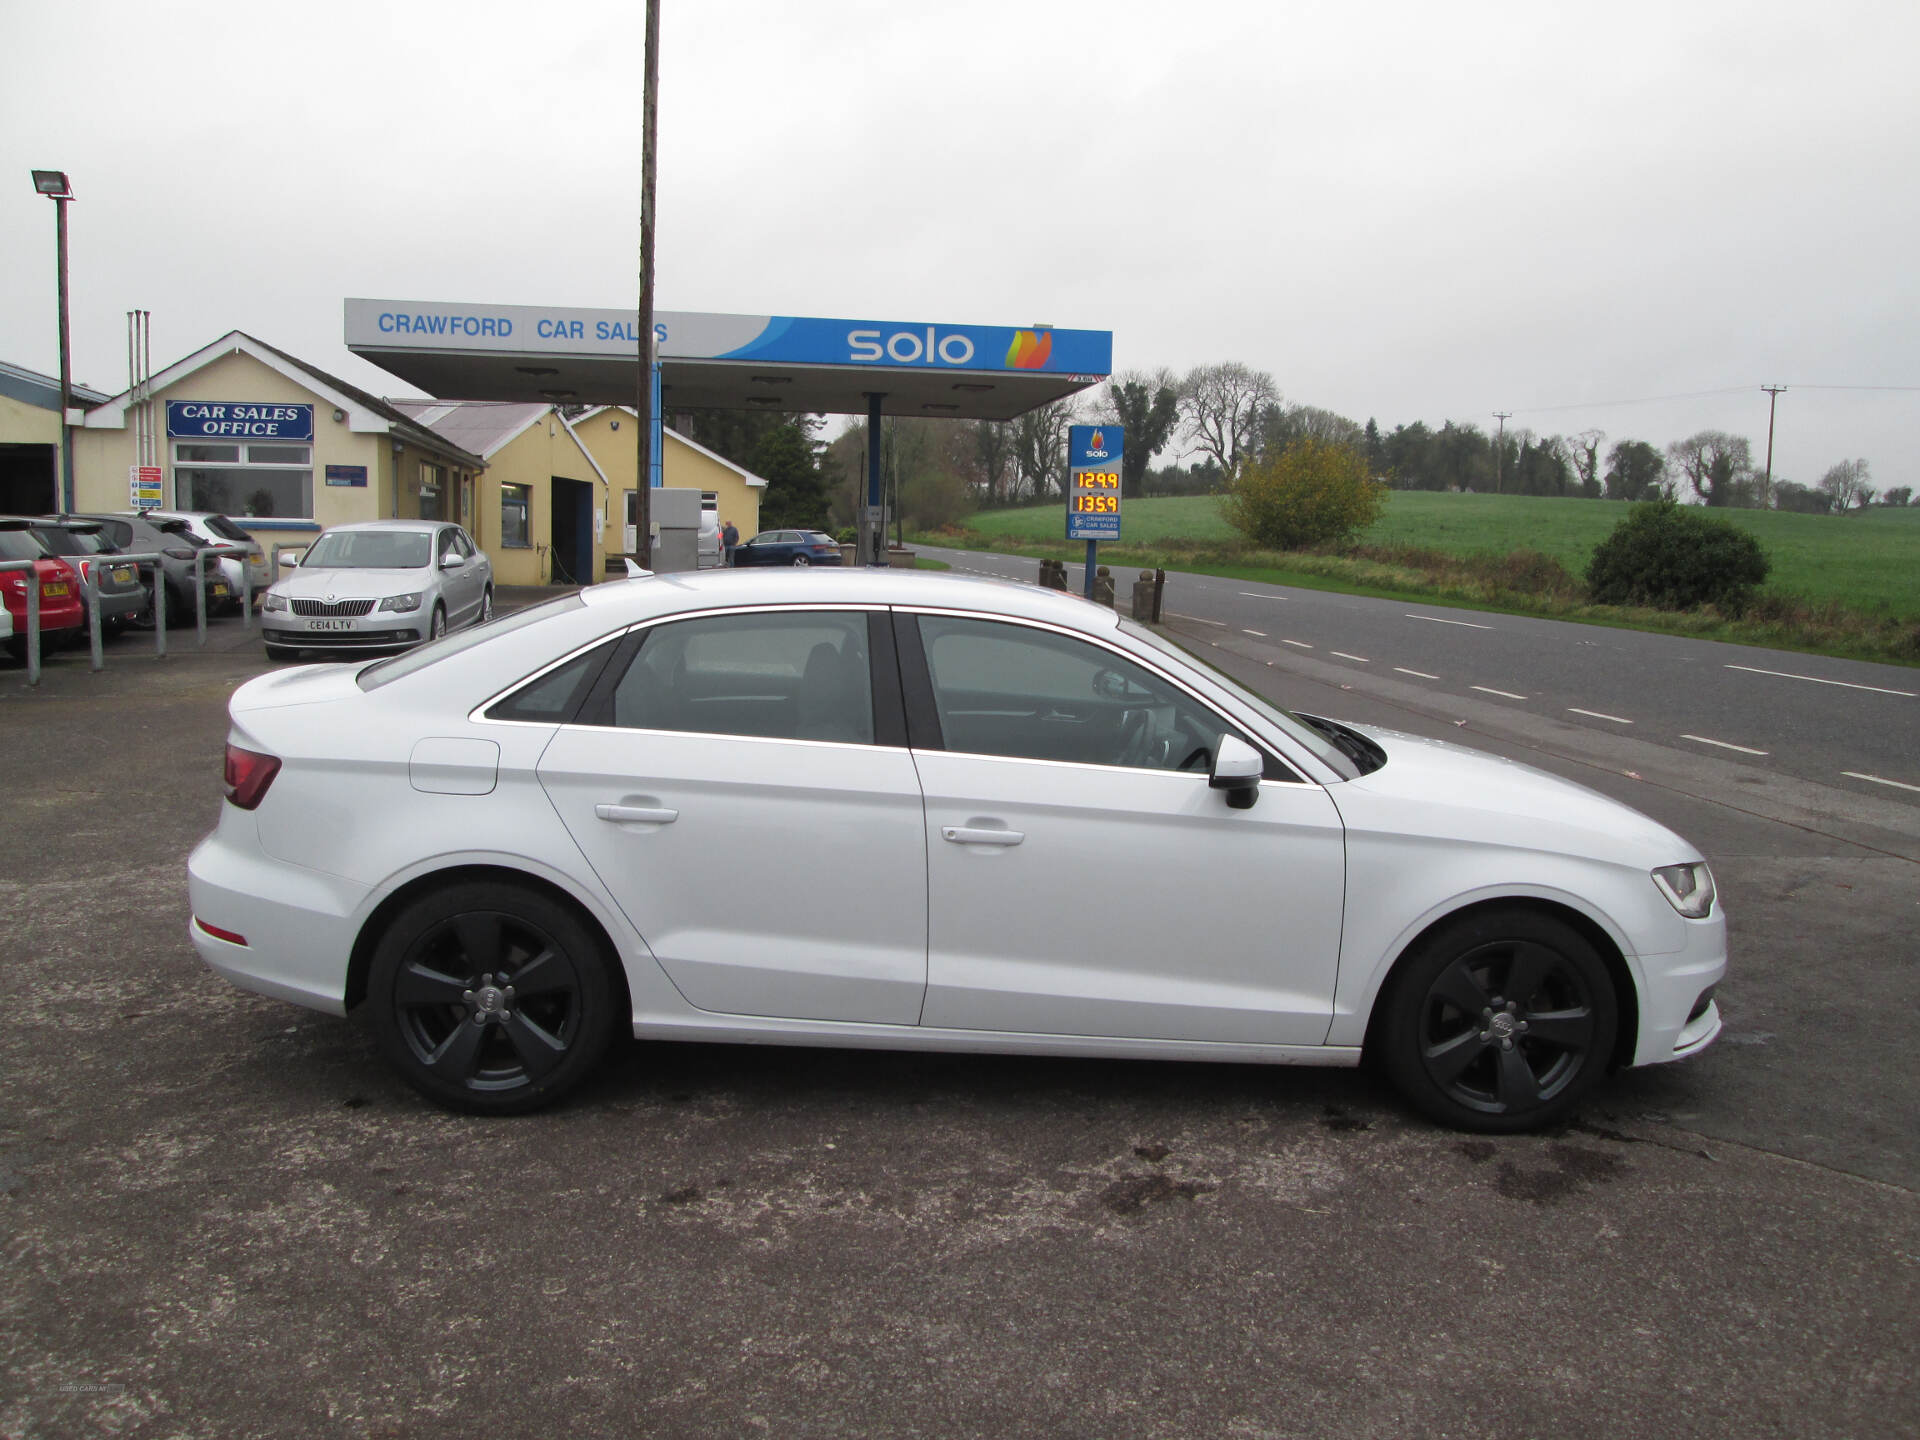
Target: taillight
(86,570)
(249,773)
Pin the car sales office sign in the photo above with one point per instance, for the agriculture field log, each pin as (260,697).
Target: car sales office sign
(1093,481)
(238,420)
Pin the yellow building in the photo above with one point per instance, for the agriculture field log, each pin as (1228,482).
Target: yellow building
(30,438)
(283,448)
(556,502)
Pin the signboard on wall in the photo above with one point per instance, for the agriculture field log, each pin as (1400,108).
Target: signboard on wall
(1093,481)
(143,486)
(354,475)
(238,420)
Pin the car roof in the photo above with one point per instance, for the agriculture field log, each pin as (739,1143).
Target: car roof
(656,595)
(404,527)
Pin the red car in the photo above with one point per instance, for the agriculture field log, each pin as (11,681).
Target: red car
(61,608)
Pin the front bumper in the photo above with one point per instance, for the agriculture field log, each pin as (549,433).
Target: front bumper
(363,632)
(1670,991)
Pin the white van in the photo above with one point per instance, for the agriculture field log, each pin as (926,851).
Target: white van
(708,553)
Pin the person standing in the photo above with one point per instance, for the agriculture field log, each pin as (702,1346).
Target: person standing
(729,540)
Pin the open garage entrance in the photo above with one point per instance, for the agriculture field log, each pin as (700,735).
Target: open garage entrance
(573,538)
(27,479)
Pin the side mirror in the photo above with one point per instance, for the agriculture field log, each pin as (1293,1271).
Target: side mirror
(289,560)
(452,562)
(1236,770)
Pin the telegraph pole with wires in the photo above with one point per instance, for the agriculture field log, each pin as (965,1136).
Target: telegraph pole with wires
(644,394)
(1500,448)
(1766,486)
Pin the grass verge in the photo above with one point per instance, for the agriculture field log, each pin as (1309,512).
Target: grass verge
(1520,582)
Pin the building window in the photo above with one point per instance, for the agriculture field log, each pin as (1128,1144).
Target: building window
(515,501)
(433,490)
(259,481)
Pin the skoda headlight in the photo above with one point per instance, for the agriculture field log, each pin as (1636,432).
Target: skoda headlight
(1688,888)
(402,603)
(273,602)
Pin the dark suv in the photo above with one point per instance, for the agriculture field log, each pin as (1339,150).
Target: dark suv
(177,545)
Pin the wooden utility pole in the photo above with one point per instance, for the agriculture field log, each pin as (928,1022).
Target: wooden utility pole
(1766,489)
(643,404)
(1500,448)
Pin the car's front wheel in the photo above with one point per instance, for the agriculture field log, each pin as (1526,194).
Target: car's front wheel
(490,998)
(1501,1022)
(437,626)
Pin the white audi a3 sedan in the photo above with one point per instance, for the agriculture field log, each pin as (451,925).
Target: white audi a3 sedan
(947,814)
(378,585)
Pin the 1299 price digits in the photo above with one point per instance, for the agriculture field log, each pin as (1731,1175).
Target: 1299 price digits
(1096,504)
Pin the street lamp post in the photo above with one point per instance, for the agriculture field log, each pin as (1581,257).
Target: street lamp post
(53,184)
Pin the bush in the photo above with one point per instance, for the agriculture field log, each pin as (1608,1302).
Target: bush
(1676,557)
(1312,493)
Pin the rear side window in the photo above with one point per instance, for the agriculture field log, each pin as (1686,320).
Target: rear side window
(552,699)
(784,676)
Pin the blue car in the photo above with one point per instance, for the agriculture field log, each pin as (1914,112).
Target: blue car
(788,547)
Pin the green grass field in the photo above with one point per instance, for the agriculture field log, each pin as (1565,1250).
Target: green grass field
(1866,561)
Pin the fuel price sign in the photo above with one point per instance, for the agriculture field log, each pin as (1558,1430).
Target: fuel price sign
(1093,481)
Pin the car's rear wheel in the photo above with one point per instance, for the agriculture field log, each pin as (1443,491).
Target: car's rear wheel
(490,998)
(801,560)
(1501,1022)
(486,606)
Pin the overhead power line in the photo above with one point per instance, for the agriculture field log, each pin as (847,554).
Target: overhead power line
(1696,395)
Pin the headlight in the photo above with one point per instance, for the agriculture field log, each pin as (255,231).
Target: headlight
(401,603)
(1688,888)
(274,602)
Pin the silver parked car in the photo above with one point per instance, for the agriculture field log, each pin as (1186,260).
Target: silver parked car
(381,585)
(217,529)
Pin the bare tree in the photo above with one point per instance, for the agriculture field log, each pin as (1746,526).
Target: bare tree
(1717,465)
(1040,447)
(993,454)
(1582,449)
(1221,406)
(1848,484)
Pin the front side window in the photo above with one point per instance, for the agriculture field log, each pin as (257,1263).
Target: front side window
(785,676)
(265,481)
(1012,690)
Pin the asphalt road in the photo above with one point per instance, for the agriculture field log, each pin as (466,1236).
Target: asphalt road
(222,1217)
(1845,723)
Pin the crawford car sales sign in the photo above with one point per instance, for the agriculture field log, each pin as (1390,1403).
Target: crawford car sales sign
(238,420)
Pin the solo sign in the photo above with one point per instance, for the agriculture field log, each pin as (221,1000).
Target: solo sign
(1093,481)
(238,420)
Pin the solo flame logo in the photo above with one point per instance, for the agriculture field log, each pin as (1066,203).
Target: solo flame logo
(1097,446)
(1030,349)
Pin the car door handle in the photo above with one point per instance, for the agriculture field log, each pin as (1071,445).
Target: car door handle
(636,814)
(971,835)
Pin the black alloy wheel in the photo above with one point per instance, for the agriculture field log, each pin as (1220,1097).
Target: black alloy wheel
(1502,1022)
(490,998)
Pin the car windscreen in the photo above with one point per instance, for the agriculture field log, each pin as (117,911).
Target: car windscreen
(1309,738)
(385,672)
(227,530)
(370,550)
(20,545)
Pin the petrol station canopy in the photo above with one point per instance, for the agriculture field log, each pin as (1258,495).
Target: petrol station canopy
(569,356)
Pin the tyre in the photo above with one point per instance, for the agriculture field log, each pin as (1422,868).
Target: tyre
(437,626)
(1500,1022)
(800,560)
(486,606)
(490,998)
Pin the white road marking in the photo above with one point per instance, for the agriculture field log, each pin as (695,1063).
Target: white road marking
(1599,715)
(1402,670)
(1200,620)
(1882,780)
(1260,634)
(1344,656)
(1724,745)
(1256,595)
(1489,690)
(1299,644)
(1848,684)
(1438,621)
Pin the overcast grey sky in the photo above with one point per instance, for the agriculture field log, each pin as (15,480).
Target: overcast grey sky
(1408,211)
